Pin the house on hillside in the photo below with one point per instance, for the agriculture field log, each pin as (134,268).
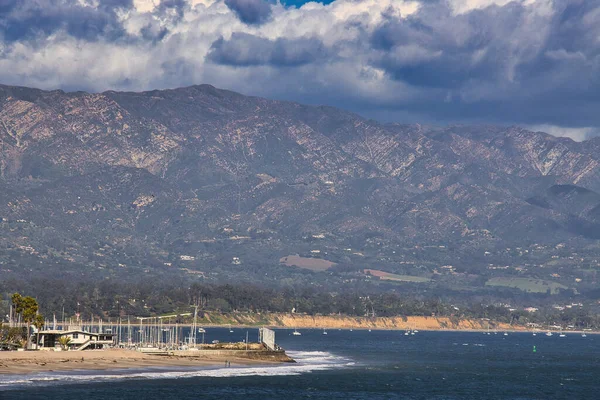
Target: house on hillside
(78,339)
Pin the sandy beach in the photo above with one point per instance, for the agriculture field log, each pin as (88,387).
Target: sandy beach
(24,362)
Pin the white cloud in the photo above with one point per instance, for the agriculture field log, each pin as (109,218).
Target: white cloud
(527,62)
(577,134)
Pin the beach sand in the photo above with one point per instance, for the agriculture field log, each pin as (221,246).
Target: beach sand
(24,362)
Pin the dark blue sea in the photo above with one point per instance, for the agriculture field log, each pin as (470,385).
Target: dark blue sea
(356,365)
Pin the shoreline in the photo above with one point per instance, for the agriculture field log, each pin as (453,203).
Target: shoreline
(513,329)
(32,362)
(305,321)
(509,330)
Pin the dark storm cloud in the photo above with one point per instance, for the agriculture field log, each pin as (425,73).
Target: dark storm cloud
(251,12)
(438,49)
(499,63)
(245,50)
(30,19)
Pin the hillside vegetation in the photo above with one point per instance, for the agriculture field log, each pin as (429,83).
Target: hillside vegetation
(211,185)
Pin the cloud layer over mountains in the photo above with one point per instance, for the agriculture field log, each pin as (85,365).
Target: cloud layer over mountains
(529,62)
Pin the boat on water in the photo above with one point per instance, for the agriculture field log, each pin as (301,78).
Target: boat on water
(324,331)
(296,333)
(548,333)
(583,335)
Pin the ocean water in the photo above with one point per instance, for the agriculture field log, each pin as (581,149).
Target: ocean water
(355,365)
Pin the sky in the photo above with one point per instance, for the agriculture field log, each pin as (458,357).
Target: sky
(533,63)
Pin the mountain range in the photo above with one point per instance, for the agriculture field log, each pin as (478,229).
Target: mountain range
(190,178)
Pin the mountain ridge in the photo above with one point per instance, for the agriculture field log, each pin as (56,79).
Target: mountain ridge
(163,173)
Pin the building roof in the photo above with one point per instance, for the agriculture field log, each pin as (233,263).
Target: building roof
(60,332)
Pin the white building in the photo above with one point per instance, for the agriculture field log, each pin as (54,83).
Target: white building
(79,339)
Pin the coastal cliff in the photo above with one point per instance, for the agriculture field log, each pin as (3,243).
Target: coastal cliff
(347,322)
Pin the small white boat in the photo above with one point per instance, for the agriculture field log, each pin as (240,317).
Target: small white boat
(583,335)
(324,331)
(296,333)
(201,330)
(548,333)
(505,333)
(561,334)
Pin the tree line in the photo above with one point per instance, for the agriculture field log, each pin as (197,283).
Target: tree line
(111,299)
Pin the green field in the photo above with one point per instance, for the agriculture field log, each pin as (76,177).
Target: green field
(530,285)
(394,277)
(313,264)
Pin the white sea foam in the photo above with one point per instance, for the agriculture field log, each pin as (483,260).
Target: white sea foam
(306,361)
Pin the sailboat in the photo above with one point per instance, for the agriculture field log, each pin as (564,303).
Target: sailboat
(561,333)
(296,333)
(324,331)
(230,330)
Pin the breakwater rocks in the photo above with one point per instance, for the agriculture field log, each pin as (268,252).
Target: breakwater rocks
(255,355)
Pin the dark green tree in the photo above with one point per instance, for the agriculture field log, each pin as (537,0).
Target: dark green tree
(27,307)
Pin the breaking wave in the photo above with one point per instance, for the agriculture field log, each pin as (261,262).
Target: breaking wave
(306,362)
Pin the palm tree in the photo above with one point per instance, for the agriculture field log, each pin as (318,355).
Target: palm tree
(39,323)
(64,342)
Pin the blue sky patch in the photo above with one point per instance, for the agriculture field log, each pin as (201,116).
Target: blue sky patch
(300,3)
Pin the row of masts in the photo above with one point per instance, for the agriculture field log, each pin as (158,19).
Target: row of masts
(132,331)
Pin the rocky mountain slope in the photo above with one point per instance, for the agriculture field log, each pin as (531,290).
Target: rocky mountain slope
(197,175)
